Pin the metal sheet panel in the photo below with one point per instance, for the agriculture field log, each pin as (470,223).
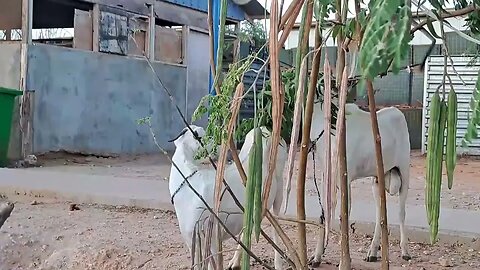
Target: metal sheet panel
(234,11)
(464,88)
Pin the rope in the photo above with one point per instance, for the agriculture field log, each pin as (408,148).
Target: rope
(181,185)
(322,216)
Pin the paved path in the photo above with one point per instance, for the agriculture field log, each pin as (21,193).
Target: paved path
(154,194)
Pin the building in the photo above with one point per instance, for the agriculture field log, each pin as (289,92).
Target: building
(85,91)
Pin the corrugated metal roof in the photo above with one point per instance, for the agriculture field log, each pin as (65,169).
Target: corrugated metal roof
(236,12)
(464,89)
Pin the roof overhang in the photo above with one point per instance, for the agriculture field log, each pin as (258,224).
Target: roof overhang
(254,10)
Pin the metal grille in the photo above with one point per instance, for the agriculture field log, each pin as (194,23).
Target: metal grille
(248,104)
(433,78)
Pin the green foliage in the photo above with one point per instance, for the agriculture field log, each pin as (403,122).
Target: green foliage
(438,4)
(474,119)
(386,37)
(322,9)
(264,108)
(473,18)
(218,108)
(252,33)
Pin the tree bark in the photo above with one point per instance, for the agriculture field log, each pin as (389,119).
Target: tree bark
(345,263)
(307,127)
(380,174)
(302,241)
(6,209)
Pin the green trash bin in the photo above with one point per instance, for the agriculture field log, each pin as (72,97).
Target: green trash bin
(7,99)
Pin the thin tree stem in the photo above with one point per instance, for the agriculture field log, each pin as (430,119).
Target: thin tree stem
(380,174)
(342,169)
(307,125)
(302,241)
(342,144)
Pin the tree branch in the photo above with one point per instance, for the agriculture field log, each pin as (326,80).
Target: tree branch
(445,15)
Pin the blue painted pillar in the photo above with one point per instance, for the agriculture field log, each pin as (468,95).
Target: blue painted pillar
(216,25)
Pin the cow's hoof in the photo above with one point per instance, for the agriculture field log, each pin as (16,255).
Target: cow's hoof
(314,263)
(371,259)
(406,257)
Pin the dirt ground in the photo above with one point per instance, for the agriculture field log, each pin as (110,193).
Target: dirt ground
(47,235)
(50,236)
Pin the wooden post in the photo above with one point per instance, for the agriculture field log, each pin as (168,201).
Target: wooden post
(380,174)
(25,102)
(151,32)
(95,27)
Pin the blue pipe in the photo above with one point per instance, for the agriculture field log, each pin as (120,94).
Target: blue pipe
(216,26)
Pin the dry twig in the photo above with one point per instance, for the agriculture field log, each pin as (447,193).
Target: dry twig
(6,209)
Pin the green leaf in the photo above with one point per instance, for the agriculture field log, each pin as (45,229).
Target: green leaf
(386,37)
(218,109)
(336,31)
(431,28)
(474,121)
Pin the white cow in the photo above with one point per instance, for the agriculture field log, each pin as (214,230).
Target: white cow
(190,209)
(361,162)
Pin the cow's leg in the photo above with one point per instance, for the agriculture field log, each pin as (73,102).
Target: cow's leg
(277,205)
(316,259)
(372,252)
(234,263)
(402,201)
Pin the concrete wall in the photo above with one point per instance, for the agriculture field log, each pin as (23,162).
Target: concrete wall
(10,64)
(10,77)
(198,64)
(89,102)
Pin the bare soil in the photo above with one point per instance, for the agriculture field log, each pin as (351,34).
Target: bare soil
(47,235)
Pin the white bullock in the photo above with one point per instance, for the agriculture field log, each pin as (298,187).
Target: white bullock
(361,162)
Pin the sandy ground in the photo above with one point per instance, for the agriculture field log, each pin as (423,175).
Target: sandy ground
(49,236)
